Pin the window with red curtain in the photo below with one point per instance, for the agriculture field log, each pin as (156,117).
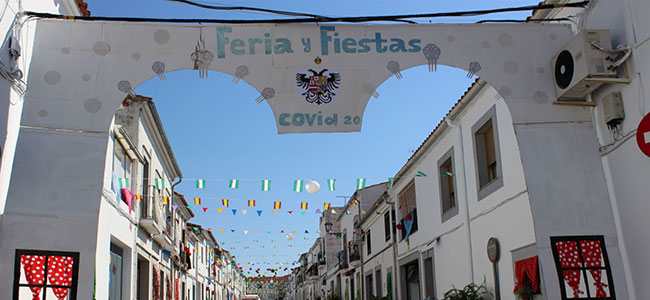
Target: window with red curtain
(407,208)
(45,275)
(583,267)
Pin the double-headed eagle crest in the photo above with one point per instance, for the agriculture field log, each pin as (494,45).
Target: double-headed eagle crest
(318,87)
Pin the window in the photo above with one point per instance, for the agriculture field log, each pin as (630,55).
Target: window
(369,293)
(121,161)
(34,275)
(486,149)
(144,204)
(583,267)
(407,208)
(429,278)
(115,273)
(448,204)
(387,226)
(411,281)
(368,242)
(378,282)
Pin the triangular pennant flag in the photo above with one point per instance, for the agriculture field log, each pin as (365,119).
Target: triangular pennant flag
(232,230)
(220,230)
(219,209)
(124,183)
(139,197)
(390,182)
(274,212)
(266,185)
(197,201)
(205,209)
(259,213)
(297,185)
(251,203)
(234,212)
(225,202)
(244,211)
(420,174)
(326,206)
(333,211)
(318,211)
(361,183)
(200,184)
(234,183)
(347,212)
(303,205)
(277,205)
(290,212)
(302,213)
(363,212)
(174,207)
(306,231)
(330,184)
(188,207)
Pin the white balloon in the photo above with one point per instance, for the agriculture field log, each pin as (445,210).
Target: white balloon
(289,236)
(312,187)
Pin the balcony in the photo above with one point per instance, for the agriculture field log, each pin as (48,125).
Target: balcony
(321,259)
(343,259)
(151,226)
(355,254)
(164,240)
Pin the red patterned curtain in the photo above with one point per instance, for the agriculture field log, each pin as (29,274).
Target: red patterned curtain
(34,267)
(176,290)
(592,254)
(169,288)
(527,267)
(570,258)
(156,284)
(59,272)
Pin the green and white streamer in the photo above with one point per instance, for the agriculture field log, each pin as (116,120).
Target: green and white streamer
(200,184)
(266,185)
(234,183)
(124,183)
(160,184)
(330,184)
(361,183)
(297,185)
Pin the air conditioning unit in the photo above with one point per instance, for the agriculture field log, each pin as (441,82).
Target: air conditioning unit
(582,65)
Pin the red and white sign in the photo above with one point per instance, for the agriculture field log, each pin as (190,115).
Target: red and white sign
(643,135)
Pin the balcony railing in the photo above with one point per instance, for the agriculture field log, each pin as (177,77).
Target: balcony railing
(355,252)
(343,259)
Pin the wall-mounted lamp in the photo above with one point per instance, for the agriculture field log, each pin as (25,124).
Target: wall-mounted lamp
(328,229)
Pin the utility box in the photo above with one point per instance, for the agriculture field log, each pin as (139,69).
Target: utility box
(613,109)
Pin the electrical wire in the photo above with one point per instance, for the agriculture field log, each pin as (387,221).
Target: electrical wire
(315,19)
(244,8)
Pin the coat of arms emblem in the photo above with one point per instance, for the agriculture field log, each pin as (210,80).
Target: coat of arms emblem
(318,87)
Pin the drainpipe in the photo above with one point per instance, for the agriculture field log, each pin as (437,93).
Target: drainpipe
(180,179)
(395,277)
(466,221)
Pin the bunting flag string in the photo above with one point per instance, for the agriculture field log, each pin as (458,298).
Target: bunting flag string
(244,211)
(326,206)
(251,203)
(124,183)
(197,201)
(259,213)
(390,182)
(234,212)
(420,174)
(200,184)
(277,205)
(225,202)
(159,183)
(303,205)
(219,209)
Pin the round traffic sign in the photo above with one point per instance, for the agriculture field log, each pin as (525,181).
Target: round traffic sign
(643,135)
(493,249)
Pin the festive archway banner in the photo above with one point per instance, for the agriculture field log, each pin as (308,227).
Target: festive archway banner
(316,78)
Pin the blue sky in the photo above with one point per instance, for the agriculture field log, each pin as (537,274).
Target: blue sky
(218,132)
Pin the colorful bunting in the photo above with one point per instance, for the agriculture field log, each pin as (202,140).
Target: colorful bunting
(244,211)
(361,183)
(420,174)
(245,232)
(274,212)
(390,182)
(205,209)
(139,197)
(174,207)
(303,205)
(166,199)
(219,209)
(297,185)
(290,212)
(259,213)
(234,212)
(326,206)
(124,183)
(266,185)
(251,203)
(200,184)
(330,184)
(225,202)
(234,183)
(197,201)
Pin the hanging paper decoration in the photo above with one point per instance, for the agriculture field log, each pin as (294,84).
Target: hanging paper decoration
(160,184)
(200,184)
(297,185)
(245,232)
(363,212)
(259,213)
(277,205)
(303,205)
(225,202)
(234,183)
(234,212)
(354,202)
(290,212)
(166,199)
(232,230)
(251,203)
(274,212)
(219,209)
(361,183)
(197,201)
(302,213)
(220,230)
(205,209)
(139,197)
(326,206)
(244,211)
(266,185)
(390,182)
(306,231)
(330,184)
(174,207)
(420,174)
(124,183)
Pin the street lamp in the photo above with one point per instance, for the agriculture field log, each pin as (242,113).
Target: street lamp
(328,228)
